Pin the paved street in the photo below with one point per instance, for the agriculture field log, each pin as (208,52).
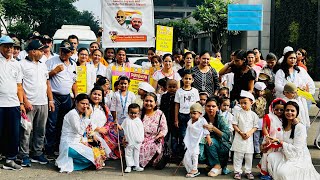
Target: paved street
(113,171)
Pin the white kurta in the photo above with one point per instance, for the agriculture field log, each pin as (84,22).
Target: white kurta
(294,162)
(301,80)
(72,131)
(246,120)
(99,119)
(133,131)
(194,133)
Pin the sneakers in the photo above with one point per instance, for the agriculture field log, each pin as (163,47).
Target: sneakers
(139,169)
(11,165)
(127,170)
(39,159)
(26,162)
(249,176)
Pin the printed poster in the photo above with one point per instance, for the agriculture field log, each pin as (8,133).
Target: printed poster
(164,40)
(127,23)
(136,75)
(82,79)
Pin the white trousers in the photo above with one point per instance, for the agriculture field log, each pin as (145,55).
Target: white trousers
(132,156)
(237,162)
(190,161)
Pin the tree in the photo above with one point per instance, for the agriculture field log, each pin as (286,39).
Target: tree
(44,16)
(182,29)
(212,16)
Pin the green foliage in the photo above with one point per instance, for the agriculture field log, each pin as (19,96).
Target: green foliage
(212,16)
(45,16)
(182,29)
(295,25)
(20,29)
(294,32)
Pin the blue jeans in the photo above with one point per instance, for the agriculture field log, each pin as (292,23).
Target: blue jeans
(10,131)
(63,105)
(183,123)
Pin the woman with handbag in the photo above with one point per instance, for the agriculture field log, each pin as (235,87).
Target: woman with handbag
(155,129)
(215,155)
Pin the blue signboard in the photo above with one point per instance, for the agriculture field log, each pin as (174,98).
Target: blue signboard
(245,17)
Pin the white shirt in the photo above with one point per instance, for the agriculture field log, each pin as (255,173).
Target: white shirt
(159,75)
(35,76)
(62,82)
(100,69)
(22,54)
(10,76)
(246,120)
(194,133)
(186,98)
(176,66)
(75,57)
(134,131)
(120,104)
(44,58)
(228,78)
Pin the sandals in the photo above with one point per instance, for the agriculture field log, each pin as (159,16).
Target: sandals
(237,176)
(214,172)
(192,175)
(249,176)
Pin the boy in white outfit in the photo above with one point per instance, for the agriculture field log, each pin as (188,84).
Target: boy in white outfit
(194,133)
(133,135)
(245,123)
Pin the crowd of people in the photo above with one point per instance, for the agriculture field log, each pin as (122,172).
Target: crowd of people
(190,113)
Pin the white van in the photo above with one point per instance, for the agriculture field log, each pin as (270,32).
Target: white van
(84,33)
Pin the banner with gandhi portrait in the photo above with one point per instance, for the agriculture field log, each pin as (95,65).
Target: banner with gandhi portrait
(127,23)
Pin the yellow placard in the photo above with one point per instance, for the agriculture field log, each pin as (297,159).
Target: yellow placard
(136,75)
(306,95)
(82,79)
(164,40)
(216,64)
(152,70)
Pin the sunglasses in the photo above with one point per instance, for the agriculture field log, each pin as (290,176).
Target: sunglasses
(120,16)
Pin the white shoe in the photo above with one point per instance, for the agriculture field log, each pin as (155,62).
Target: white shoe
(127,170)
(139,169)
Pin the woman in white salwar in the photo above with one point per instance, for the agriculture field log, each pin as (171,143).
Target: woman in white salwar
(294,161)
(74,155)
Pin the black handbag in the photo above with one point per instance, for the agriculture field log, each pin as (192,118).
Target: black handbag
(165,152)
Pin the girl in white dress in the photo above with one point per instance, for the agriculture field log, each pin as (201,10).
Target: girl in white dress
(294,161)
(272,127)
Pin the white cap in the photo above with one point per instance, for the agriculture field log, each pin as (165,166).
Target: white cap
(260,86)
(146,87)
(287,49)
(247,94)
(136,16)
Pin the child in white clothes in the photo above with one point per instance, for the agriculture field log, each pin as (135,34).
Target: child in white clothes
(290,93)
(133,136)
(121,100)
(272,127)
(245,123)
(194,133)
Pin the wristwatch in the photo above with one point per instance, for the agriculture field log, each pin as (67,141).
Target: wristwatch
(21,103)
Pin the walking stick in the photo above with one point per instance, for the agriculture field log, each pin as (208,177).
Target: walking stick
(120,150)
(175,172)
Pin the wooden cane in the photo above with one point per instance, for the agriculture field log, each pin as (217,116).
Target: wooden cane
(120,150)
(175,172)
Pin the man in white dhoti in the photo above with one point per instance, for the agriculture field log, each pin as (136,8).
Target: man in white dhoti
(194,134)
(134,135)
